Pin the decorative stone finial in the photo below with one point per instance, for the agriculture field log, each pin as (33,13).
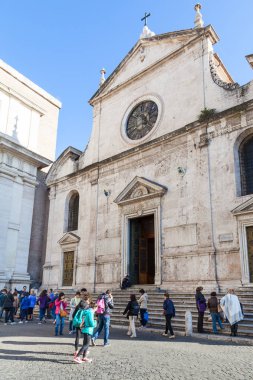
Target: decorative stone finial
(199,23)
(146,32)
(102,78)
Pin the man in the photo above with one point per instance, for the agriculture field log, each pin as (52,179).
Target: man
(2,297)
(105,305)
(126,283)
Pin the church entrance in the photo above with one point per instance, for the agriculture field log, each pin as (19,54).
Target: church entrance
(142,250)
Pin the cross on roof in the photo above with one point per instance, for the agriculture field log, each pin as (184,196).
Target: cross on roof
(145,18)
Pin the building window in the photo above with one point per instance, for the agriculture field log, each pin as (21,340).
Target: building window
(73,212)
(246,166)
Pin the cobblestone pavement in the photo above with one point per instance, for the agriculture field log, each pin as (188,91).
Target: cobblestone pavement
(30,351)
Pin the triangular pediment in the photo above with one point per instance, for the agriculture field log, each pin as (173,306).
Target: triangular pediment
(64,165)
(69,238)
(244,208)
(140,189)
(149,52)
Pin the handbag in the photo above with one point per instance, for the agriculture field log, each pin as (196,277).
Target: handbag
(63,313)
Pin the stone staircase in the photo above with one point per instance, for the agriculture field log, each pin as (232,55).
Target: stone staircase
(183,301)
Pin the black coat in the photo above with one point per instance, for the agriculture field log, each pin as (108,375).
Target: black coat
(8,301)
(132,309)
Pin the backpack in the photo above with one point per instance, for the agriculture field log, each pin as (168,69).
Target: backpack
(100,306)
(78,320)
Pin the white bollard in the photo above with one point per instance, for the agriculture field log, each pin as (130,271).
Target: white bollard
(188,323)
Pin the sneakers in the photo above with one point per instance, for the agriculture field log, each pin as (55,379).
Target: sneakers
(70,332)
(39,323)
(78,360)
(20,322)
(164,334)
(13,323)
(5,324)
(107,344)
(26,321)
(172,337)
(133,336)
(93,342)
(128,333)
(86,360)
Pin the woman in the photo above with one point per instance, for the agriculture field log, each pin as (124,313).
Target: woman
(87,326)
(213,305)
(132,311)
(60,313)
(232,309)
(73,304)
(143,302)
(201,306)
(169,312)
(43,301)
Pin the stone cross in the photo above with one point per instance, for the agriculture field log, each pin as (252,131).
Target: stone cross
(145,18)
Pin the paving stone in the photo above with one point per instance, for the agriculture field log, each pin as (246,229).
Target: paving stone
(31,351)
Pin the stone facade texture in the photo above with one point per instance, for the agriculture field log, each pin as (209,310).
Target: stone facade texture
(197,236)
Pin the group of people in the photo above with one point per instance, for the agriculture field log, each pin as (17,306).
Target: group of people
(12,302)
(90,318)
(228,308)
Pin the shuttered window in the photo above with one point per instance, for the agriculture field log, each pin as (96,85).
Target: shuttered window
(73,212)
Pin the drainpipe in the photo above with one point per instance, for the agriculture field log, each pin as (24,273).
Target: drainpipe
(97,199)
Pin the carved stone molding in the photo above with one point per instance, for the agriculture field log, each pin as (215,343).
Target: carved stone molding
(217,79)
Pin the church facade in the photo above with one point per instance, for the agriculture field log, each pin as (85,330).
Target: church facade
(28,129)
(163,191)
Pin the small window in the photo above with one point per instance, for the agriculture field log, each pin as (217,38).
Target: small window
(73,212)
(246,166)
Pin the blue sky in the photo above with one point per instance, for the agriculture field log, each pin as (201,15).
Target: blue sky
(61,45)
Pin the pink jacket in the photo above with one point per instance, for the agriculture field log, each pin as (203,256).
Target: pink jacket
(58,306)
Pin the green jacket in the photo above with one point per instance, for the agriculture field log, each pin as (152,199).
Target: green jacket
(89,322)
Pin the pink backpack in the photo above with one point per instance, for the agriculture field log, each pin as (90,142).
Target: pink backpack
(100,306)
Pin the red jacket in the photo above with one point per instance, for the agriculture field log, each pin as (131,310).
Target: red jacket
(58,306)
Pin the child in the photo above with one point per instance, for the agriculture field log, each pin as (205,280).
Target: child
(132,311)
(87,328)
(24,308)
(32,303)
(73,304)
(169,312)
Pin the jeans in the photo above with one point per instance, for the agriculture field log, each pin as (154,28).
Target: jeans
(60,321)
(216,318)
(42,313)
(168,324)
(103,322)
(53,312)
(86,342)
(71,327)
(200,321)
(23,314)
(131,328)
(143,321)
(1,311)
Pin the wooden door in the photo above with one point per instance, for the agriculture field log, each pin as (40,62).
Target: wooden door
(143,261)
(249,232)
(68,268)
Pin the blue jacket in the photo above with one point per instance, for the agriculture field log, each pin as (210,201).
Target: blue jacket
(25,303)
(89,322)
(32,301)
(169,308)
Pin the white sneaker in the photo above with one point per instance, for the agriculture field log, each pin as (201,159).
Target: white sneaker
(20,322)
(133,336)
(26,321)
(172,337)
(70,332)
(5,324)
(39,323)
(13,323)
